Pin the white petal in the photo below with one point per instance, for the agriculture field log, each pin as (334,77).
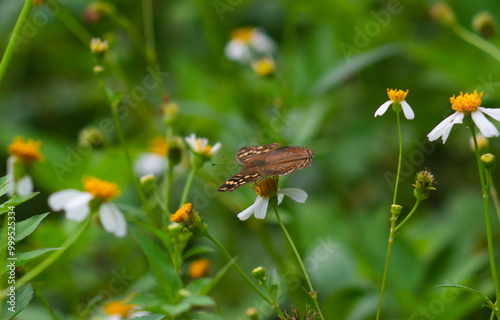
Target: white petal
(494,113)
(191,141)
(296,194)
(201,144)
(383,108)
(456,120)
(24,186)
(485,126)
(112,219)
(261,208)
(245,214)
(407,110)
(261,42)
(215,148)
(11,183)
(280,197)
(58,199)
(77,208)
(237,50)
(438,130)
(149,162)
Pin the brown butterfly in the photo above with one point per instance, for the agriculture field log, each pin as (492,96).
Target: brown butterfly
(267,160)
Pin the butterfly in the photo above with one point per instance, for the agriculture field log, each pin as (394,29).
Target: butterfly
(267,160)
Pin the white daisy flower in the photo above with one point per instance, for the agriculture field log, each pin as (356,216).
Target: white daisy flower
(468,103)
(266,189)
(76,204)
(23,155)
(154,161)
(201,146)
(248,44)
(397,98)
(118,310)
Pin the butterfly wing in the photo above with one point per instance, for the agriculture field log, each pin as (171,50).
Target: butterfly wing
(286,160)
(239,180)
(246,153)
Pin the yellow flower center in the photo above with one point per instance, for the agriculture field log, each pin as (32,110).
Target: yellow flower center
(468,102)
(267,187)
(183,213)
(263,67)
(198,268)
(244,34)
(159,145)
(397,95)
(118,308)
(27,151)
(102,190)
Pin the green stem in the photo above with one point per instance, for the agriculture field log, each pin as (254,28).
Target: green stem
(399,158)
(242,273)
(408,216)
(43,301)
(494,196)
(123,142)
(485,191)
(149,31)
(133,33)
(74,26)
(51,258)
(168,180)
(188,185)
(312,292)
(11,46)
(477,41)
(386,268)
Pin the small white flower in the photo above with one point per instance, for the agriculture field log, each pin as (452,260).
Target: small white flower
(76,205)
(23,186)
(149,162)
(200,145)
(265,189)
(249,44)
(467,104)
(397,97)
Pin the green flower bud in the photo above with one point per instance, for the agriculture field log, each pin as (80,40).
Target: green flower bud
(148,183)
(488,160)
(484,24)
(259,274)
(423,184)
(252,313)
(443,13)
(91,137)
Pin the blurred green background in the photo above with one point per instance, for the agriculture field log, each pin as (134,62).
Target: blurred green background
(320,98)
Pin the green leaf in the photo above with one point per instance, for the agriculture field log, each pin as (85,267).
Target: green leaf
(147,301)
(336,75)
(197,285)
(163,236)
(197,250)
(25,257)
(15,201)
(163,270)
(3,185)
(116,99)
(22,296)
(150,317)
(205,316)
(26,227)
(471,290)
(200,300)
(217,277)
(176,309)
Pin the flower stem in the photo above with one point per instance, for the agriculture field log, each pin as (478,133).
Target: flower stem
(477,41)
(386,268)
(494,196)
(408,216)
(11,46)
(119,130)
(245,277)
(188,185)
(74,26)
(312,293)
(485,191)
(400,157)
(53,257)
